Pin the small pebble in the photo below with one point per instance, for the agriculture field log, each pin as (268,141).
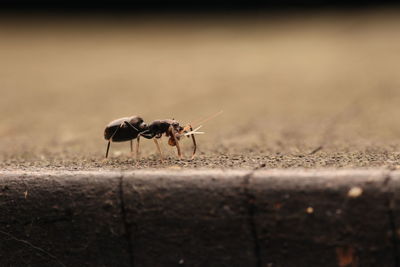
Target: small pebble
(355,192)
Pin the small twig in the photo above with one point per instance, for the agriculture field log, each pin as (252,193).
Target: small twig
(32,246)
(315,150)
(334,120)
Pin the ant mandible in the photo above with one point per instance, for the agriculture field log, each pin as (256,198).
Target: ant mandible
(130,128)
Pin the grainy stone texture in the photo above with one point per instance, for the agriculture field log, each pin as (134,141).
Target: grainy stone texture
(308,90)
(393,204)
(61,219)
(335,218)
(189,219)
(200,218)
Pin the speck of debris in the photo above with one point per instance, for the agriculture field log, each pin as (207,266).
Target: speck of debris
(310,210)
(355,192)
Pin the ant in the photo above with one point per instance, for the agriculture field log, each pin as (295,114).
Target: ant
(130,128)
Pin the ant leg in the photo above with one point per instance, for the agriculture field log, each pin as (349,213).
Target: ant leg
(158,148)
(137,147)
(131,146)
(176,141)
(108,147)
(130,125)
(109,140)
(134,128)
(194,143)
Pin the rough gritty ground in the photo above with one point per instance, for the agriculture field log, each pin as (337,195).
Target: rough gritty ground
(289,85)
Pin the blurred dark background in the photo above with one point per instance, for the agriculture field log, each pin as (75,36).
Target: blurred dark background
(182,6)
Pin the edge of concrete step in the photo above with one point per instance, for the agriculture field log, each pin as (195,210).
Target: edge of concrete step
(200,218)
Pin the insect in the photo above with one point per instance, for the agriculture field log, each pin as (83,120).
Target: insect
(130,128)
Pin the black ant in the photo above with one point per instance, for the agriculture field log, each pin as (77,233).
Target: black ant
(130,128)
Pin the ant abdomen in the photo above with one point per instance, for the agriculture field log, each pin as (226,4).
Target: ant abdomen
(124,129)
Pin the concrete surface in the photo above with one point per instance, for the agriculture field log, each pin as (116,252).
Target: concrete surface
(288,83)
(61,219)
(310,90)
(200,218)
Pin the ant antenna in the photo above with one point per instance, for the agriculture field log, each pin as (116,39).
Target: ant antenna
(195,131)
(203,120)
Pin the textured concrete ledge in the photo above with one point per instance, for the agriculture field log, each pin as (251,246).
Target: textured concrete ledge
(200,218)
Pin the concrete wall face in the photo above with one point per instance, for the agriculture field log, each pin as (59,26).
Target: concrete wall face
(193,219)
(61,220)
(323,219)
(200,218)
